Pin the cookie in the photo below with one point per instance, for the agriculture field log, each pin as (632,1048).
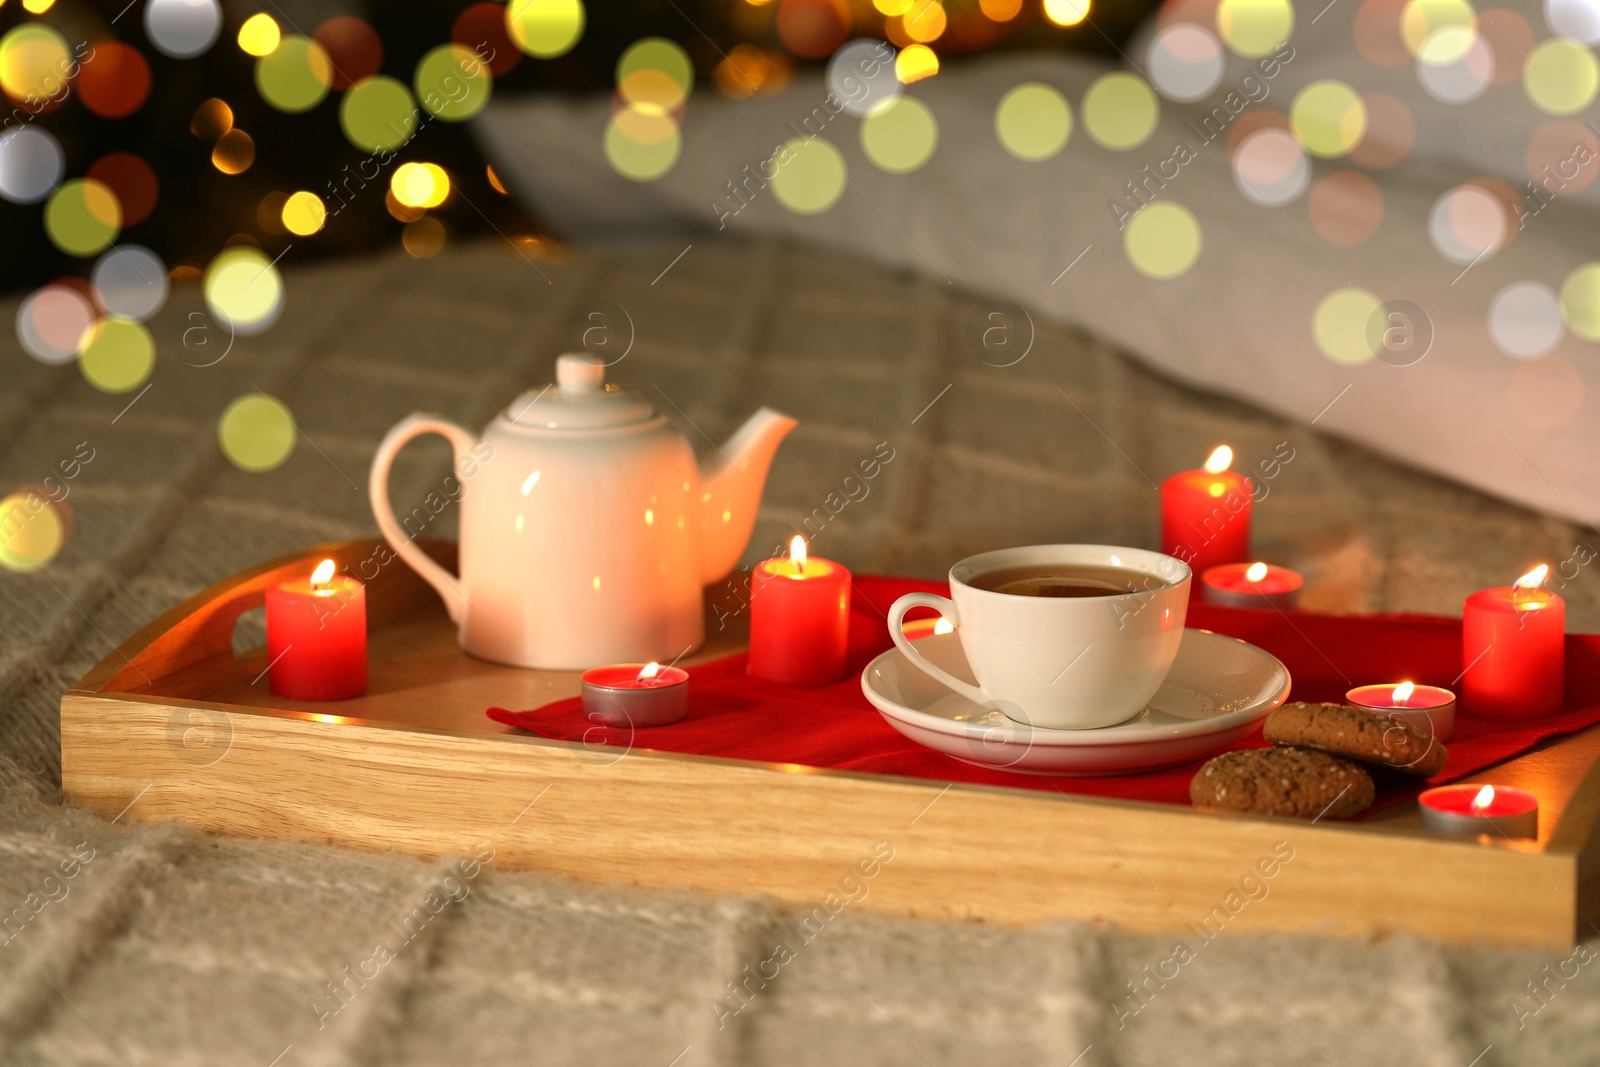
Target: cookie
(1295,782)
(1358,735)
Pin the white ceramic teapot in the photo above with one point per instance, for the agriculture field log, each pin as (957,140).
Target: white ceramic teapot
(587,529)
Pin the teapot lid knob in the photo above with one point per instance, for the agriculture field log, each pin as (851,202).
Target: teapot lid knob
(579,374)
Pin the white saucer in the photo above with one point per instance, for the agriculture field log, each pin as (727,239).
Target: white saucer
(1219,688)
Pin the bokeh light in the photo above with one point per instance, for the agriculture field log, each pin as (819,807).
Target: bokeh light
(33,530)
(1185,62)
(1377,32)
(82,217)
(257,432)
(1120,111)
(494,180)
(355,51)
(1577,19)
(642,142)
(131,281)
(922,23)
(1510,38)
(1390,133)
(113,81)
(379,114)
(1467,223)
(132,180)
(1562,77)
(424,238)
(243,289)
(862,75)
(304,213)
(482,28)
(899,135)
(234,152)
(914,63)
(1556,157)
(1066,12)
(118,354)
(1546,393)
(453,83)
(1256,118)
(402,212)
(1346,207)
(1000,10)
(1328,117)
(1525,320)
(259,35)
(211,120)
(1340,326)
(34,63)
(31,164)
(1270,168)
(51,323)
(295,76)
(1580,302)
(1163,240)
(813,179)
(182,29)
(420,185)
(656,72)
(1456,65)
(544,28)
(812,29)
(1254,27)
(1421,19)
(1033,121)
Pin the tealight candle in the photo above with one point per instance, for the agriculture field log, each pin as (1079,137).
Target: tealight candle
(1205,514)
(1512,646)
(1429,708)
(799,619)
(1469,810)
(317,636)
(635,694)
(1252,585)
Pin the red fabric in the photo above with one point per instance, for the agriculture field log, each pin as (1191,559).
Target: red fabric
(833,726)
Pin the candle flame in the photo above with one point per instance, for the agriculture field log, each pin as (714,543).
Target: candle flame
(1255,572)
(1220,460)
(797,554)
(1484,798)
(1533,579)
(323,574)
(944,626)
(649,671)
(1403,691)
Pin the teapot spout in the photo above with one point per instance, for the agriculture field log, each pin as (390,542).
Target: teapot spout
(731,479)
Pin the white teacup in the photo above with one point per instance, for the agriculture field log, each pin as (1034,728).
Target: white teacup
(1061,663)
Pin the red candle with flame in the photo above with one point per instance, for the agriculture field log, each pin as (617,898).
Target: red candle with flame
(1469,810)
(1430,708)
(799,619)
(1512,646)
(1252,585)
(317,636)
(1205,514)
(635,694)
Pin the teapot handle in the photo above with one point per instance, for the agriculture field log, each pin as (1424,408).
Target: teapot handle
(462,442)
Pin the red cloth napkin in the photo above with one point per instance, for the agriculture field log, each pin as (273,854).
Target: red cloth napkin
(833,726)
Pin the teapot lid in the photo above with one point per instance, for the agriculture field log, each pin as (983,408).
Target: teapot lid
(580,399)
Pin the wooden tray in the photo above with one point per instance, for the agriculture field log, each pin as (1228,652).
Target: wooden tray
(174,726)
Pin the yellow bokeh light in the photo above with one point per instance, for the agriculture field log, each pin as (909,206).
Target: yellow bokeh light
(1340,325)
(117,354)
(1254,27)
(1448,45)
(32,531)
(34,63)
(1328,118)
(914,63)
(544,28)
(83,217)
(1063,12)
(494,180)
(1120,111)
(294,76)
(814,177)
(420,185)
(379,114)
(925,21)
(256,432)
(453,83)
(259,35)
(1580,301)
(642,142)
(899,135)
(234,152)
(1421,19)
(37,7)
(243,289)
(656,72)
(891,8)
(424,238)
(1000,10)
(304,213)
(1162,241)
(1033,121)
(211,120)
(403,212)
(1562,77)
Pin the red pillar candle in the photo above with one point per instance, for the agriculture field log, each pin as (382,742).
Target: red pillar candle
(1512,640)
(1205,514)
(799,619)
(317,636)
